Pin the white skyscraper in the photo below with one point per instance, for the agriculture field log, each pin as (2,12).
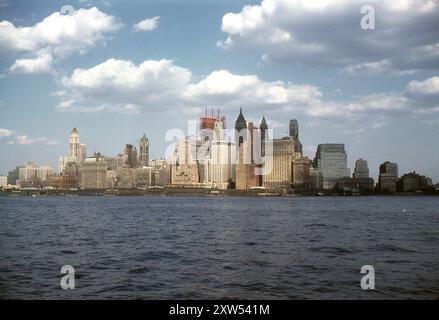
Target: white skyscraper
(77,151)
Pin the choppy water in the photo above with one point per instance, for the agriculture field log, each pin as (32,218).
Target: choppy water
(209,248)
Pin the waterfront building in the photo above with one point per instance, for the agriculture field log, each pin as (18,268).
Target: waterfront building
(111,178)
(13,176)
(94,172)
(161,175)
(3,181)
(300,173)
(414,182)
(331,161)
(143,177)
(388,176)
(33,175)
(184,164)
(355,186)
(144,151)
(279,172)
(248,152)
(361,169)
(316,178)
(125,178)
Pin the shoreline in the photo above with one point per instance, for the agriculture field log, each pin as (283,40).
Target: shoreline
(196,192)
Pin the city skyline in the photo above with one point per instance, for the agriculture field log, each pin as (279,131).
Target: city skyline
(382,103)
(247,156)
(78,152)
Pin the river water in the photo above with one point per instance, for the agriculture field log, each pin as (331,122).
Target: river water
(219,247)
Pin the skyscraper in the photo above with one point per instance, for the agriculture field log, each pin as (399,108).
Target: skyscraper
(241,128)
(294,128)
(74,144)
(294,134)
(263,127)
(130,156)
(361,169)
(77,151)
(388,176)
(144,151)
(331,161)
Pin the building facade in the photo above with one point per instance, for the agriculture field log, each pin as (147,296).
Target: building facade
(331,161)
(144,151)
(94,172)
(388,177)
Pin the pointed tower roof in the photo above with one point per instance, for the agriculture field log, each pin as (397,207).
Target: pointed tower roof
(240,121)
(263,124)
(74,130)
(144,137)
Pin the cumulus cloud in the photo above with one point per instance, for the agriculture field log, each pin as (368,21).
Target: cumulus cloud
(160,85)
(329,33)
(147,24)
(12,137)
(41,63)
(427,87)
(55,37)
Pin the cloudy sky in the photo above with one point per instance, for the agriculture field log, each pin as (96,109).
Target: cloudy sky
(117,69)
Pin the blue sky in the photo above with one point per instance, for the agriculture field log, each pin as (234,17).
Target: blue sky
(375,90)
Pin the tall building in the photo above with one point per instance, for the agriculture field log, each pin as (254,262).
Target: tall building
(77,152)
(94,172)
(82,154)
(388,177)
(130,153)
(221,164)
(294,134)
(294,128)
(13,176)
(246,137)
(74,144)
(263,127)
(144,151)
(331,161)
(361,169)
(279,167)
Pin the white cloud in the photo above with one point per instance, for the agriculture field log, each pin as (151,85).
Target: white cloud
(121,86)
(147,24)
(160,84)
(367,68)
(329,33)
(42,63)
(55,37)
(11,137)
(427,87)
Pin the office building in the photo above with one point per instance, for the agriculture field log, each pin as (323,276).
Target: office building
(144,151)
(331,161)
(361,169)
(388,176)
(94,172)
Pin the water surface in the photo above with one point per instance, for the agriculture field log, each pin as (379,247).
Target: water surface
(219,247)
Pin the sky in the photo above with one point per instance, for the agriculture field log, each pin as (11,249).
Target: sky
(118,69)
